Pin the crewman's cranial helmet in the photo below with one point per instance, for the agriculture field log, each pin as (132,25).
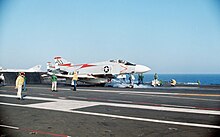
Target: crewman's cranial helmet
(22,73)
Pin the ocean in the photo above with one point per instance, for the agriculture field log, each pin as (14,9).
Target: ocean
(205,79)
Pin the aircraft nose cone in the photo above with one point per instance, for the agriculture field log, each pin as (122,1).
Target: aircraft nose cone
(141,69)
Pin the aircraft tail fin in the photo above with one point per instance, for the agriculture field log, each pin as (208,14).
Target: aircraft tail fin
(35,68)
(61,61)
(50,66)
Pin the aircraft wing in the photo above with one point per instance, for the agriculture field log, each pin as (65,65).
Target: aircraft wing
(83,76)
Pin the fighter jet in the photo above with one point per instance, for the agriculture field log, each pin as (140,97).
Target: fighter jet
(95,73)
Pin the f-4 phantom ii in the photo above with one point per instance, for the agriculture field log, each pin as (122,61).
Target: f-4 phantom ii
(94,73)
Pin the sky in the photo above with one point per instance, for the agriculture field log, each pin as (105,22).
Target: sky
(169,36)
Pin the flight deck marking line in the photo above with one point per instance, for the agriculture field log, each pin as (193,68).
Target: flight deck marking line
(76,97)
(143,103)
(37,131)
(162,108)
(189,98)
(120,101)
(50,88)
(60,104)
(148,120)
(46,95)
(57,104)
(124,92)
(179,94)
(185,94)
(29,97)
(205,95)
(154,93)
(129,118)
(178,106)
(5,126)
(64,105)
(144,94)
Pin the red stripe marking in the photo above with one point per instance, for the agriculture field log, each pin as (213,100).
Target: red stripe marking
(125,68)
(86,65)
(44,133)
(68,64)
(201,108)
(57,57)
(147,103)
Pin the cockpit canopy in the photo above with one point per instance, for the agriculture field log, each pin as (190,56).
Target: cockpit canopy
(123,62)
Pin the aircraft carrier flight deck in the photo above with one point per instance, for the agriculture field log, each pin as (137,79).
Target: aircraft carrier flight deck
(110,112)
